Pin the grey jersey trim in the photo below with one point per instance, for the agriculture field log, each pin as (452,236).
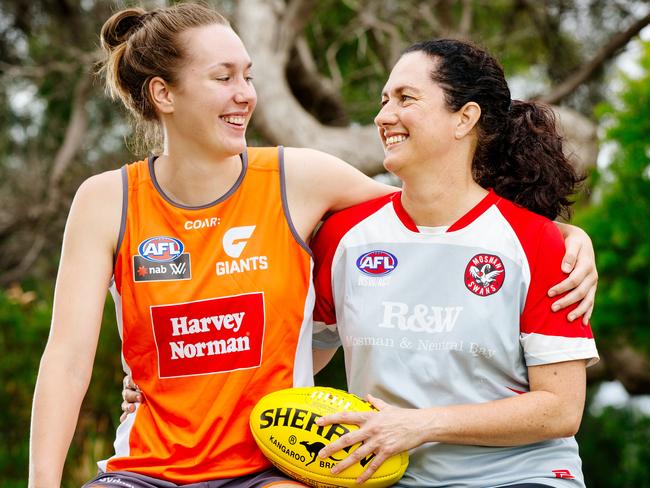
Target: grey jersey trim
(285,205)
(152,174)
(125,208)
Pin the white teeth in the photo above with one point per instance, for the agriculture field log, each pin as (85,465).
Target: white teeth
(395,139)
(235,120)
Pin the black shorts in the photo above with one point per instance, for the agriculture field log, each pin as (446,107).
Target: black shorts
(126,479)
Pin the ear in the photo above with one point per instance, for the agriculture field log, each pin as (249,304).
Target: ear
(161,95)
(468,116)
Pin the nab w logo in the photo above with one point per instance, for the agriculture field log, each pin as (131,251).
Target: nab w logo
(178,269)
(235,239)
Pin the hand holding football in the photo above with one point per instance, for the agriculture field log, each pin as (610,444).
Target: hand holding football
(284,426)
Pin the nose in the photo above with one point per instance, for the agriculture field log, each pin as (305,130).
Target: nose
(386,116)
(245,92)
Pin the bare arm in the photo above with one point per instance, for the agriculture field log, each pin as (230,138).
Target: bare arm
(552,409)
(318,183)
(322,357)
(84,274)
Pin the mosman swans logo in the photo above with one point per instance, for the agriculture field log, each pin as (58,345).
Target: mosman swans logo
(484,274)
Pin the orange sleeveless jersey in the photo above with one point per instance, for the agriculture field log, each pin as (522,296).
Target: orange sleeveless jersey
(214,309)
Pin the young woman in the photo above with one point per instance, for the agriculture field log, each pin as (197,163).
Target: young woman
(438,293)
(204,249)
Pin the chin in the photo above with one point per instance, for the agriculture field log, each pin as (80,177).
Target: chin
(392,164)
(232,147)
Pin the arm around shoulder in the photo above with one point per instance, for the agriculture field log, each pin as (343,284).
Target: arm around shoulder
(84,273)
(318,183)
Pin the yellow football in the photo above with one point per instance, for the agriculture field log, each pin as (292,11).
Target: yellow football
(284,426)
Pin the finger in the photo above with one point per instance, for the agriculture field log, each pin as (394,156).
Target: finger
(588,304)
(587,316)
(378,403)
(128,408)
(342,442)
(582,308)
(123,417)
(128,384)
(571,255)
(357,455)
(372,468)
(579,276)
(131,396)
(355,418)
(574,296)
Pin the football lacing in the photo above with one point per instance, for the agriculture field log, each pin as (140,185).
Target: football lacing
(327,397)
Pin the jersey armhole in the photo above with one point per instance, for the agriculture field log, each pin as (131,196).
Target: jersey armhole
(125,205)
(285,204)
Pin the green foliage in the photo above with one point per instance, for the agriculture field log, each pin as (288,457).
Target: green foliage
(25,319)
(619,221)
(22,339)
(615,449)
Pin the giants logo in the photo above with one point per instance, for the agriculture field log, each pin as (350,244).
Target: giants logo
(234,241)
(484,274)
(209,336)
(377,263)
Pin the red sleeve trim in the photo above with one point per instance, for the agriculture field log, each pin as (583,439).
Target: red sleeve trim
(544,248)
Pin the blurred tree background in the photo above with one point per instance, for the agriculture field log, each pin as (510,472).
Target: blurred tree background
(319,68)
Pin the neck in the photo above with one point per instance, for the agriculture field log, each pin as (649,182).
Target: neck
(195,178)
(440,194)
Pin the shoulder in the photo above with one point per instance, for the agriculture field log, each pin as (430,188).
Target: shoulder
(532,230)
(101,192)
(305,163)
(97,205)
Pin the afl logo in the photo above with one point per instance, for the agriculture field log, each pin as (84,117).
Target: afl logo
(484,274)
(160,249)
(377,263)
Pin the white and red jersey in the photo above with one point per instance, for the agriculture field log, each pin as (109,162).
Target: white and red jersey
(214,306)
(431,317)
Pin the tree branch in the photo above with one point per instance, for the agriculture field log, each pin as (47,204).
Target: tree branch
(279,116)
(588,70)
(465,25)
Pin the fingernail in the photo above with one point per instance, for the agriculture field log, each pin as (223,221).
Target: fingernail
(555,307)
(571,317)
(131,408)
(138,398)
(566,267)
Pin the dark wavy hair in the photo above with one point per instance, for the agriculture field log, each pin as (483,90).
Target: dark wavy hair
(519,151)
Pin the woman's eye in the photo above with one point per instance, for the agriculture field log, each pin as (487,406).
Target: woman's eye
(383,102)
(406,97)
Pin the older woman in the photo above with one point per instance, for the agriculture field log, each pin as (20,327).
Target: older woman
(438,292)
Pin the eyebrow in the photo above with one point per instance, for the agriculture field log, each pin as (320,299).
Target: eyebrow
(399,89)
(230,65)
